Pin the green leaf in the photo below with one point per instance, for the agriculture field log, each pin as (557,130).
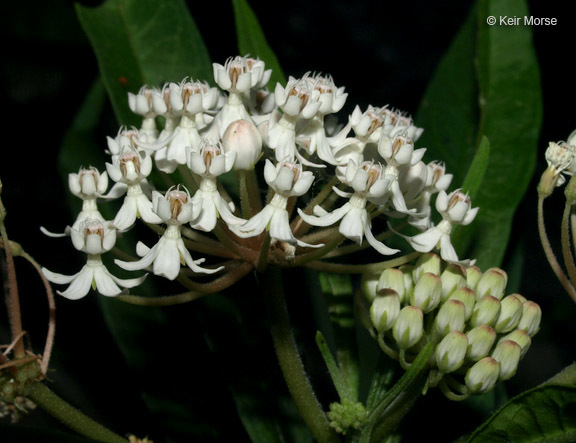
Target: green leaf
(338,378)
(449,111)
(545,413)
(511,113)
(338,292)
(139,42)
(500,99)
(251,40)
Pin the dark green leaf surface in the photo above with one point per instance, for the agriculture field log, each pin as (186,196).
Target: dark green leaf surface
(546,413)
(251,40)
(143,42)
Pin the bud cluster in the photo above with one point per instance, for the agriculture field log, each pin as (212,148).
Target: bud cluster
(480,333)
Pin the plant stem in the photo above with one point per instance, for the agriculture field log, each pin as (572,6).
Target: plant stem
(566,248)
(70,416)
(250,200)
(289,358)
(11,288)
(550,253)
(339,268)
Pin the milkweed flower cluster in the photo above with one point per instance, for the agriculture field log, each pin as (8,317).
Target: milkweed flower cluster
(305,182)
(479,332)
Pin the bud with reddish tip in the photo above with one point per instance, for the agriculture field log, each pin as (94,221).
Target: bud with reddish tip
(242,137)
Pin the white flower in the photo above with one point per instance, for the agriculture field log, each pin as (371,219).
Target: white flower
(94,238)
(287,180)
(368,183)
(130,169)
(209,163)
(455,209)
(141,104)
(240,74)
(165,256)
(561,158)
(243,139)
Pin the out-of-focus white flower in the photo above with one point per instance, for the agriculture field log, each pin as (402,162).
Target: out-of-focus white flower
(455,209)
(94,238)
(561,158)
(240,74)
(174,209)
(369,184)
(209,163)
(286,179)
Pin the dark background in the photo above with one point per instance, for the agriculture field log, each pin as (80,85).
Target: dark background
(382,52)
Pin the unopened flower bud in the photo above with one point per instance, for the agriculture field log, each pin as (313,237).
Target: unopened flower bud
(473,275)
(482,376)
(385,309)
(428,262)
(392,278)
(427,292)
(531,317)
(453,277)
(466,296)
(369,286)
(407,272)
(521,337)
(493,282)
(408,327)
(480,341)
(242,137)
(507,353)
(510,314)
(451,317)
(451,351)
(485,312)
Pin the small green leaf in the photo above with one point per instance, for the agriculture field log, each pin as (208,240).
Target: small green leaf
(139,42)
(340,382)
(251,40)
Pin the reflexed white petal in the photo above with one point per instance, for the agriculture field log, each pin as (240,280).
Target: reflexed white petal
(328,219)
(378,245)
(226,212)
(129,282)
(427,240)
(193,264)
(118,190)
(80,286)
(447,251)
(143,263)
(126,216)
(45,231)
(104,282)
(167,261)
(352,225)
(59,279)
(141,249)
(280,226)
(256,225)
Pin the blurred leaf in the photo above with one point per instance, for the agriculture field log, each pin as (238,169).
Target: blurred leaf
(338,291)
(143,42)
(545,413)
(511,113)
(449,111)
(500,100)
(251,40)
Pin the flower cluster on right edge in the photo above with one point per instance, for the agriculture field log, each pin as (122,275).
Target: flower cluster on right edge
(479,332)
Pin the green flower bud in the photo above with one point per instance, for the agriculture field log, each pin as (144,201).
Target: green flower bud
(466,296)
(520,297)
(482,376)
(451,351)
(392,278)
(507,353)
(480,341)
(473,274)
(451,317)
(485,312)
(346,415)
(408,327)
(407,271)
(521,337)
(385,309)
(427,292)
(369,286)
(531,317)
(428,262)
(453,277)
(510,314)
(493,282)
